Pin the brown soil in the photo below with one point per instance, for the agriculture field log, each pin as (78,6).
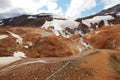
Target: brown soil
(61,57)
(105,38)
(96,65)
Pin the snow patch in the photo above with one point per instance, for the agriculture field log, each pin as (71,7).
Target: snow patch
(106,23)
(97,19)
(32,17)
(84,43)
(60,25)
(19,54)
(18,38)
(118,14)
(3,36)
(30,43)
(1,24)
(56,32)
(8,60)
(26,47)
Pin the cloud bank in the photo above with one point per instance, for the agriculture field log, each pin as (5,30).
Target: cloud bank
(78,6)
(10,8)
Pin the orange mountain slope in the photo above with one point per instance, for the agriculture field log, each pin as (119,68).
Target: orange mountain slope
(105,38)
(35,42)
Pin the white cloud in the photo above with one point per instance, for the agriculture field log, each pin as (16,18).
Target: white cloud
(9,7)
(78,6)
(110,3)
(52,6)
(3,3)
(29,6)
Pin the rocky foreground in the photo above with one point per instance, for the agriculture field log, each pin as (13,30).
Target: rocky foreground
(38,54)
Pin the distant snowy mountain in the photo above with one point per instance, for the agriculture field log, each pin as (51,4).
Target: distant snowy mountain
(112,10)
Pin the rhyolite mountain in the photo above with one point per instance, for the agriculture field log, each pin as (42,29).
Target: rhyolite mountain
(49,47)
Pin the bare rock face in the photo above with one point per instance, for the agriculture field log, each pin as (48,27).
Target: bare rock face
(105,38)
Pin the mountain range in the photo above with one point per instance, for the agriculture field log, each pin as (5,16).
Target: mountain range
(46,46)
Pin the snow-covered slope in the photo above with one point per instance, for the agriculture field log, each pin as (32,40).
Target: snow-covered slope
(3,36)
(60,25)
(97,19)
(115,9)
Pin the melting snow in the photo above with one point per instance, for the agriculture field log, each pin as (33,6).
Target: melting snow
(118,14)
(97,19)
(3,36)
(31,17)
(106,23)
(84,43)
(8,60)
(30,43)
(1,24)
(26,47)
(19,54)
(56,32)
(60,25)
(18,38)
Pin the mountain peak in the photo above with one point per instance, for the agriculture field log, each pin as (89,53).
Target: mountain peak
(112,10)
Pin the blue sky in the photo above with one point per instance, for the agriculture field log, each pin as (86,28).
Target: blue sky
(65,8)
(94,10)
(63,4)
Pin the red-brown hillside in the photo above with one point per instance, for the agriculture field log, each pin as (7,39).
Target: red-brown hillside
(36,43)
(105,38)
